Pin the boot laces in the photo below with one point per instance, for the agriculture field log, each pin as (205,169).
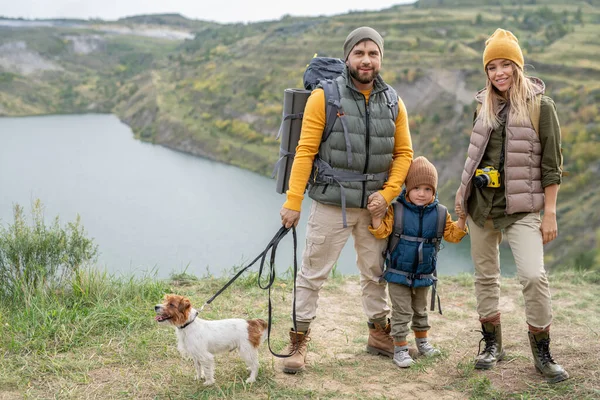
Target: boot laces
(490,342)
(385,332)
(389,339)
(544,351)
(298,345)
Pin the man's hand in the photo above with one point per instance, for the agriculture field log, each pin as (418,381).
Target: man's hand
(458,205)
(377,205)
(549,227)
(289,217)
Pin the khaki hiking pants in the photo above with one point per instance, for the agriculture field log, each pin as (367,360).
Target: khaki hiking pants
(525,240)
(408,304)
(325,238)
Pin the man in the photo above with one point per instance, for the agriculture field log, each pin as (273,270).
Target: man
(359,170)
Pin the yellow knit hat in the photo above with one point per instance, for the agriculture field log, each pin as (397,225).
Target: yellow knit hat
(503,44)
(421,172)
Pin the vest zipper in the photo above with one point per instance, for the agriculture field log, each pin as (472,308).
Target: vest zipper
(504,151)
(420,234)
(503,174)
(367,143)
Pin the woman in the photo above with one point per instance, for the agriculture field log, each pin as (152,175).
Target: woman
(513,171)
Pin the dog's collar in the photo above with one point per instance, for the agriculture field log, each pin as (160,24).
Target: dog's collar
(189,322)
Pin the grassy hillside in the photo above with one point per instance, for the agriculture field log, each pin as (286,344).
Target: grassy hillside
(219,94)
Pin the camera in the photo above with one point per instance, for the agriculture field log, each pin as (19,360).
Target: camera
(487,177)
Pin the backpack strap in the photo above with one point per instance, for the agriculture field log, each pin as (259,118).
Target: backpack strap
(332,104)
(324,173)
(334,110)
(391,98)
(285,118)
(476,113)
(534,112)
(398,229)
(534,108)
(442,211)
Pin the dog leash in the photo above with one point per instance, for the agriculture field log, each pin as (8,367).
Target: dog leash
(272,246)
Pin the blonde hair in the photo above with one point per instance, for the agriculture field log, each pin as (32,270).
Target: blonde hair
(521,91)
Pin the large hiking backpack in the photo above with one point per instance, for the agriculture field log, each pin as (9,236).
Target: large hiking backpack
(398,233)
(319,69)
(323,71)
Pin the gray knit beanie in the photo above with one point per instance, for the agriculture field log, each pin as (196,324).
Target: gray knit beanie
(360,34)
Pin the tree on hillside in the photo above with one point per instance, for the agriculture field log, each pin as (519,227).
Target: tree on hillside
(578,18)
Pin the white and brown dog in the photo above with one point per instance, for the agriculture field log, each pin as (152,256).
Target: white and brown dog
(200,339)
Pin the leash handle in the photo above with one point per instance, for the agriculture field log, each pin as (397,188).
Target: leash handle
(272,246)
(271,280)
(278,236)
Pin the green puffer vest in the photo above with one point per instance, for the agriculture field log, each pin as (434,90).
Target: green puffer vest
(371,134)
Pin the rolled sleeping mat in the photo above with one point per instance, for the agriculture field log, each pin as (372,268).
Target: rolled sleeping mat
(294,101)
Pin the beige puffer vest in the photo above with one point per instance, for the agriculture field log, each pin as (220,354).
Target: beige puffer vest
(522,165)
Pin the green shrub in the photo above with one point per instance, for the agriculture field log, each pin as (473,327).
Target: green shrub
(52,297)
(93,307)
(39,257)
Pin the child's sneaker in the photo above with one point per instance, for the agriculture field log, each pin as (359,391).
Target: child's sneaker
(426,349)
(401,357)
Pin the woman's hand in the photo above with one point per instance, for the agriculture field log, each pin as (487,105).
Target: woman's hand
(461,223)
(458,205)
(549,227)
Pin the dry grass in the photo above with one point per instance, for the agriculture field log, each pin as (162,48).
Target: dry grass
(146,365)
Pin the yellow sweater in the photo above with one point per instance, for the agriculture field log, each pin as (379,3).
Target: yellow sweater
(313,124)
(452,233)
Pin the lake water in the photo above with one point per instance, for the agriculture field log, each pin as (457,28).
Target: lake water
(151,209)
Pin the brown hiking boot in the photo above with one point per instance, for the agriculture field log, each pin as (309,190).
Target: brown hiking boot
(544,363)
(380,342)
(493,351)
(299,347)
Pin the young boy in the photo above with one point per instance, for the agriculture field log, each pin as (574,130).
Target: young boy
(411,264)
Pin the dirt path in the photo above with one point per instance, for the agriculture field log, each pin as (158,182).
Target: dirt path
(337,360)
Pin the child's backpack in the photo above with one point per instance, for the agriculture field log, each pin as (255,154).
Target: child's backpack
(323,71)
(398,231)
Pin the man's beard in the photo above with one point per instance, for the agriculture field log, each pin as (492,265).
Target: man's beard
(364,79)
